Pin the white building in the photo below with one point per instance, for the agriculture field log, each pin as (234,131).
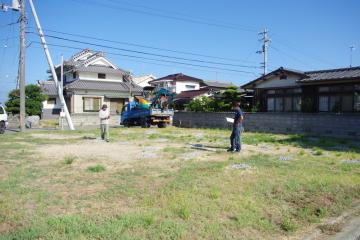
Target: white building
(177,82)
(90,80)
(143,81)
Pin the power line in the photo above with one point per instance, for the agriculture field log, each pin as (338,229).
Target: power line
(150,54)
(146,46)
(116,56)
(159,60)
(289,56)
(290,46)
(131,3)
(165,16)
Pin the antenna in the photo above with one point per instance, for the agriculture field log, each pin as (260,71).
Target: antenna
(352,48)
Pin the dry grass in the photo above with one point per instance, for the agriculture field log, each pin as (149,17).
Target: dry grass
(152,183)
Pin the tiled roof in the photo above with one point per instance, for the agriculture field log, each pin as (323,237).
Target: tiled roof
(178,77)
(99,69)
(332,74)
(191,94)
(312,76)
(48,88)
(217,84)
(102,86)
(270,74)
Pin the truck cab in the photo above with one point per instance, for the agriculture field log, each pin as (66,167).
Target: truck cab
(3,120)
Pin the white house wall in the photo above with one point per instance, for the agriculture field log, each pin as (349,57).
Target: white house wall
(181,86)
(94,76)
(276,82)
(46,105)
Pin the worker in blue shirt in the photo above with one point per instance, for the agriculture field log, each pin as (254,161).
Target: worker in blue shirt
(235,140)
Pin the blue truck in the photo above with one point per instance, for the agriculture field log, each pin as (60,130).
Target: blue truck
(145,113)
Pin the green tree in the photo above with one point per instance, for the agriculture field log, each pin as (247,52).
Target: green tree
(33,100)
(203,104)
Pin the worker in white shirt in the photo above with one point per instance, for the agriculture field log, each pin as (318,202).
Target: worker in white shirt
(104,116)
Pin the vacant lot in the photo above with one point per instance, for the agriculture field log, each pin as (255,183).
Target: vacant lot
(172,184)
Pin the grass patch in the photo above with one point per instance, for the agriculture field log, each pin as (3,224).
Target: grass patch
(68,160)
(153,198)
(97,168)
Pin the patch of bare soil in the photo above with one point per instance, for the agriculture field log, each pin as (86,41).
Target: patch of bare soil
(53,136)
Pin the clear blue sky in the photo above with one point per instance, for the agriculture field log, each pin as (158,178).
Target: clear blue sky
(305,35)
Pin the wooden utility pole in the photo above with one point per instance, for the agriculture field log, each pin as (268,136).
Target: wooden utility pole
(22,65)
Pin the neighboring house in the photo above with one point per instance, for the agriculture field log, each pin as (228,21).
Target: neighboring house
(287,90)
(52,106)
(143,81)
(177,83)
(186,96)
(215,85)
(207,88)
(91,80)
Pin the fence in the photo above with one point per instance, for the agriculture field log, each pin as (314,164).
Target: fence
(344,125)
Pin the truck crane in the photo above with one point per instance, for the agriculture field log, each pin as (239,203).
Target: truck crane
(153,109)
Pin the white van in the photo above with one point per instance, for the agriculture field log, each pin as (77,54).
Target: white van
(3,119)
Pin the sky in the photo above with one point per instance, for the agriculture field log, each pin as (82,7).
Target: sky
(211,40)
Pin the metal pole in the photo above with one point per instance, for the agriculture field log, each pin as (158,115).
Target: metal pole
(52,68)
(351,53)
(22,65)
(62,90)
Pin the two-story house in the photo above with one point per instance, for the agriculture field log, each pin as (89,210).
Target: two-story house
(90,80)
(177,83)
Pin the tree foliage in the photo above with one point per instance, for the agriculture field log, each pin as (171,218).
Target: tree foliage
(220,102)
(33,100)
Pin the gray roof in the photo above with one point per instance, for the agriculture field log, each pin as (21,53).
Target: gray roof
(313,76)
(99,69)
(48,88)
(332,74)
(217,84)
(102,86)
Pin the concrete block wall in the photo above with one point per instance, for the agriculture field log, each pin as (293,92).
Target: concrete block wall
(92,119)
(344,126)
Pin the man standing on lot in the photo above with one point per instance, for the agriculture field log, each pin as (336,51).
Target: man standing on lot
(104,116)
(235,140)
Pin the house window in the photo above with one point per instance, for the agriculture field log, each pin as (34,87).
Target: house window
(288,104)
(190,87)
(323,104)
(271,92)
(335,103)
(347,103)
(279,104)
(74,75)
(283,77)
(101,76)
(270,104)
(1,110)
(357,102)
(297,104)
(91,104)
(51,101)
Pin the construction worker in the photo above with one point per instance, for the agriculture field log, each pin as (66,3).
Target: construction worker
(104,116)
(235,140)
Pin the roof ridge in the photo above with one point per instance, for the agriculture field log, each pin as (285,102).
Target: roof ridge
(333,70)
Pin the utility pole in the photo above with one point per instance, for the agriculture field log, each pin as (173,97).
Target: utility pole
(352,48)
(52,68)
(22,65)
(265,39)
